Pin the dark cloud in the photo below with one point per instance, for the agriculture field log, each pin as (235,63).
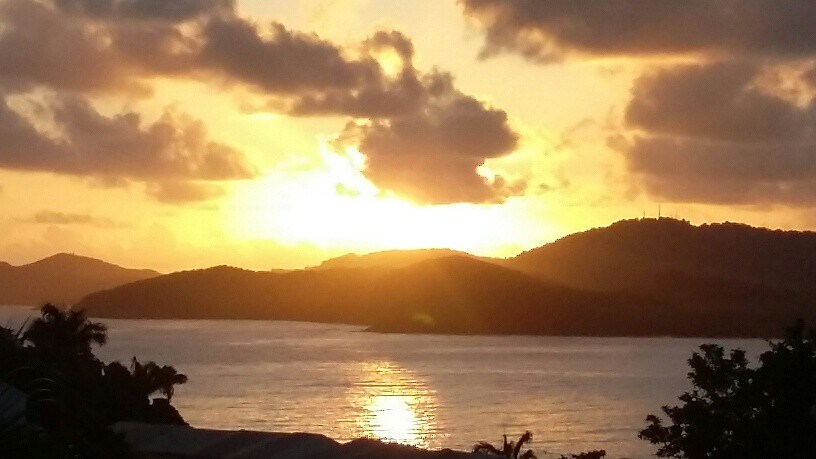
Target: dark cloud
(116,148)
(720,131)
(118,45)
(285,62)
(48,217)
(38,47)
(717,101)
(432,156)
(104,46)
(711,133)
(550,30)
(148,10)
(378,95)
(809,76)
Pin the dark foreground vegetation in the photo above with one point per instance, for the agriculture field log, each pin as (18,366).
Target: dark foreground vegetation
(67,397)
(57,400)
(515,449)
(634,278)
(738,411)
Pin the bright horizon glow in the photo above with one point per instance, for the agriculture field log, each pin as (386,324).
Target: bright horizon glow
(129,196)
(336,206)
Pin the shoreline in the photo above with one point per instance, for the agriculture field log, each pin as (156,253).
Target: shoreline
(159,441)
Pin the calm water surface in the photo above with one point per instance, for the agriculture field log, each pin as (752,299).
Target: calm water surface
(575,394)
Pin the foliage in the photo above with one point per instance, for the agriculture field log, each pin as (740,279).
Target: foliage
(738,411)
(509,449)
(71,396)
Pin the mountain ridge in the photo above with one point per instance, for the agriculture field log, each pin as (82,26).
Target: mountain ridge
(62,278)
(632,278)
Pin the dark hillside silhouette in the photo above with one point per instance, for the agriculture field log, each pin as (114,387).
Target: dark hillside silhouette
(62,278)
(637,277)
(719,267)
(445,295)
(390,258)
(642,255)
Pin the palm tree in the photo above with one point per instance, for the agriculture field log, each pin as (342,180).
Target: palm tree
(509,449)
(167,378)
(151,378)
(65,331)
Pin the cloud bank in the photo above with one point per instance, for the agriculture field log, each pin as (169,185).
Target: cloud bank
(727,129)
(423,137)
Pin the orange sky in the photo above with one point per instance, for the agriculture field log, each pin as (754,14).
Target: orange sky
(265,154)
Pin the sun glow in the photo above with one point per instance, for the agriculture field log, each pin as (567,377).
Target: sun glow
(330,204)
(396,406)
(392,419)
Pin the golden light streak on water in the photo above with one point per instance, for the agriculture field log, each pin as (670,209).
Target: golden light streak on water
(397,405)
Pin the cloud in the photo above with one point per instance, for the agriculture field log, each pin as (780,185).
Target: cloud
(432,156)
(809,76)
(399,112)
(284,62)
(549,31)
(377,94)
(178,192)
(48,217)
(712,133)
(727,129)
(101,45)
(145,10)
(109,46)
(423,138)
(718,101)
(37,47)
(116,148)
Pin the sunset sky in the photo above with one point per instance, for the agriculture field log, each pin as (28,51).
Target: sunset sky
(177,134)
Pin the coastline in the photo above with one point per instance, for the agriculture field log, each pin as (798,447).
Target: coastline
(159,441)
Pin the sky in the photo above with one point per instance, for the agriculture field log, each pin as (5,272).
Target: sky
(180,134)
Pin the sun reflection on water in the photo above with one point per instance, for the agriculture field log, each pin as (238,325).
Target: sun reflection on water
(396,405)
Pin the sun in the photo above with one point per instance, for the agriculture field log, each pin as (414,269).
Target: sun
(333,206)
(394,405)
(393,419)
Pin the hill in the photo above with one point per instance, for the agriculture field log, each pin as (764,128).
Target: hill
(708,267)
(388,258)
(62,278)
(444,295)
(453,294)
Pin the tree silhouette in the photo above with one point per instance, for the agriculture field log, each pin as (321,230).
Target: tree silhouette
(151,378)
(70,397)
(65,332)
(509,449)
(738,411)
(167,378)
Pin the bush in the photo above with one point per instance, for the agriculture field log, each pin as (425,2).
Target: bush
(72,397)
(735,410)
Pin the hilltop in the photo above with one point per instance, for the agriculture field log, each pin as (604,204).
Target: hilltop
(715,266)
(388,258)
(634,277)
(62,278)
(452,294)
